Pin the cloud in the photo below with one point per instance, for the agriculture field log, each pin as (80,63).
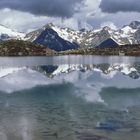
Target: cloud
(27,15)
(109,24)
(55,8)
(119,19)
(114,6)
(26,22)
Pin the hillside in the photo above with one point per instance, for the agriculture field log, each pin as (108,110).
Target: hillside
(122,50)
(23,48)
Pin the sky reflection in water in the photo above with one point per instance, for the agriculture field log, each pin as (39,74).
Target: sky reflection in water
(89,101)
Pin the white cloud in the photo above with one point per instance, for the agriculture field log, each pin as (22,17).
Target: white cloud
(25,22)
(19,20)
(109,24)
(90,14)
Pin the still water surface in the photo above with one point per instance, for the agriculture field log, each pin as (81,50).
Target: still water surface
(70,98)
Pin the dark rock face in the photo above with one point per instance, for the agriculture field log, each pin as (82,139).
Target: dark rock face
(52,40)
(135,24)
(108,43)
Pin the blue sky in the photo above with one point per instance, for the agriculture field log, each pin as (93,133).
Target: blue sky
(30,14)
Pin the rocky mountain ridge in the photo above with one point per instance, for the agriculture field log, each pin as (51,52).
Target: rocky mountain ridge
(61,39)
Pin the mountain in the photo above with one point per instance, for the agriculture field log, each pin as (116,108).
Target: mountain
(68,35)
(106,35)
(128,34)
(7,33)
(53,37)
(61,39)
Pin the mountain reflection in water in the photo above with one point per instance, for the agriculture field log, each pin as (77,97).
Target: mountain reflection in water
(70,101)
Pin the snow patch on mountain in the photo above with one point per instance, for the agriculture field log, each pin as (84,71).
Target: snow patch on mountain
(7,33)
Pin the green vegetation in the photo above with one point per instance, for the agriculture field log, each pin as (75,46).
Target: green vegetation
(23,48)
(127,50)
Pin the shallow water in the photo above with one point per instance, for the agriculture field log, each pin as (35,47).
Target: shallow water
(70,97)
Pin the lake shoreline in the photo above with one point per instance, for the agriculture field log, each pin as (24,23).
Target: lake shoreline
(23,48)
(73,54)
(123,50)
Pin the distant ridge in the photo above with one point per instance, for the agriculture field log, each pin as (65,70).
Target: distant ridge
(61,39)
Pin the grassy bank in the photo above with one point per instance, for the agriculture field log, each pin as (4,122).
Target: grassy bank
(25,48)
(124,50)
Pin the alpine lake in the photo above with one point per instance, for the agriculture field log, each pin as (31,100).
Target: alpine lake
(70,98)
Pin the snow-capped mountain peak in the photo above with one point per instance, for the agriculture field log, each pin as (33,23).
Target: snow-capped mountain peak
(65,33)
(103,37)
(128,30)
(7,33)
(49,25)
